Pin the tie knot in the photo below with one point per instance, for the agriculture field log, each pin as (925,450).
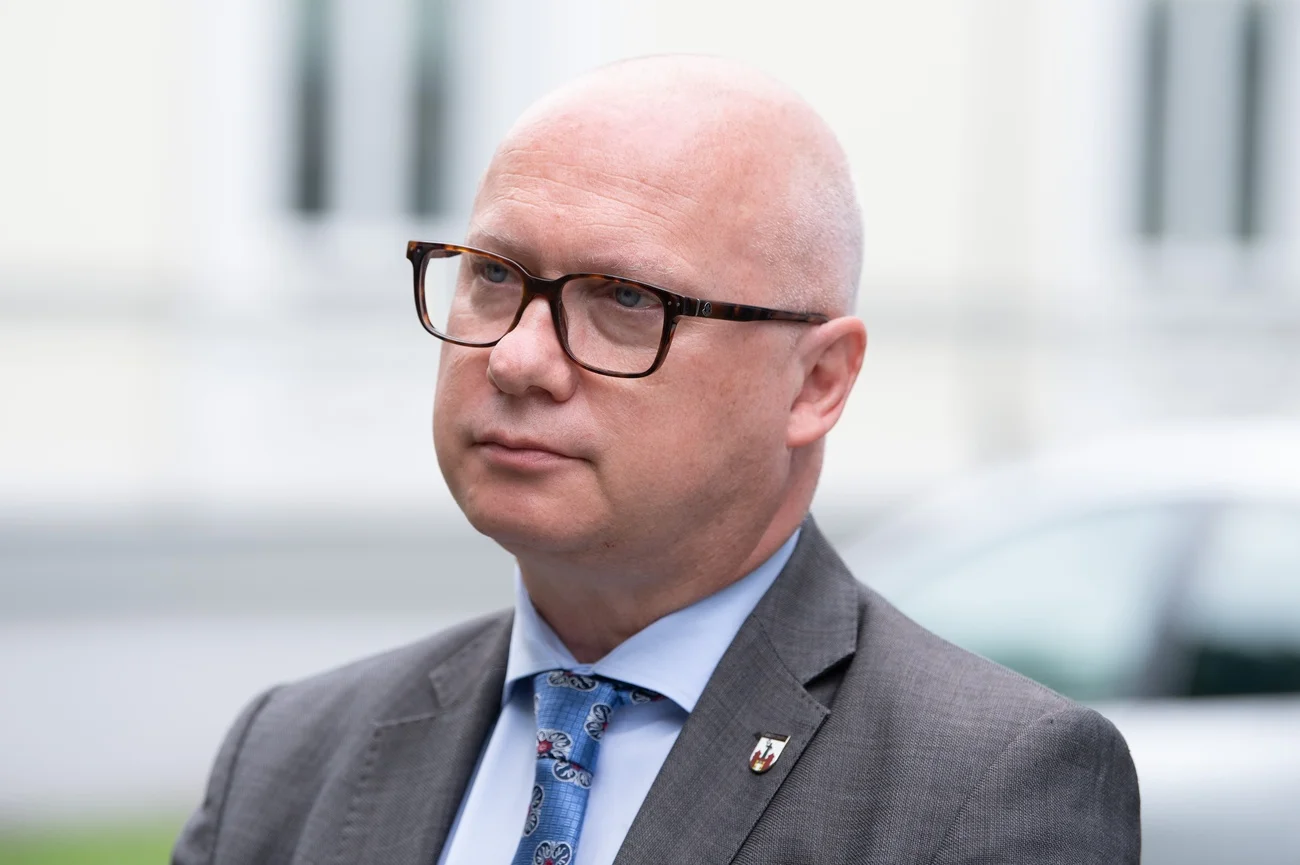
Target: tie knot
(573,710)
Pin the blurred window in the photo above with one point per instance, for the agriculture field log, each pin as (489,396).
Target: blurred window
(371,113)
(1073,604)
(1204,118)
(311,105)
(428,182)
(1241,623)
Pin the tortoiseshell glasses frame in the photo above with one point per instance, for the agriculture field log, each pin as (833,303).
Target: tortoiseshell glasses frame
(675,306)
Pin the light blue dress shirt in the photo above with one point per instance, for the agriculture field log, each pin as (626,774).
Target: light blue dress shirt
(674,656)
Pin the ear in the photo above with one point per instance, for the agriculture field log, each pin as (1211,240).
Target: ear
(831,356)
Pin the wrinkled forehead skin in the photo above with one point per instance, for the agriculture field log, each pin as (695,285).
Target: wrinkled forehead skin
(682,168)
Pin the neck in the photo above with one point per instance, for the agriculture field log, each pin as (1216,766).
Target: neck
(593,611)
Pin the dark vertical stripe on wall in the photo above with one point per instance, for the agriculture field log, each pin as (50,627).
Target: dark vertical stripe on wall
(312,109)
(1155,90)
(428,191)
(1248,217)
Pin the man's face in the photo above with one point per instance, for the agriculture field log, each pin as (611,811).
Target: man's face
(545,456)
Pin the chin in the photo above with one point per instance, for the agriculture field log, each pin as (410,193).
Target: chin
(522,520)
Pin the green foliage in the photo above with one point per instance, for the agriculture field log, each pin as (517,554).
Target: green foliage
(108,845)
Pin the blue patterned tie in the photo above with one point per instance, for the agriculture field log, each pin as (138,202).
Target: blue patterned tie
(572,713)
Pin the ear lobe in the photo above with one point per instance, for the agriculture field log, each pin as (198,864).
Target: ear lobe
(832,360)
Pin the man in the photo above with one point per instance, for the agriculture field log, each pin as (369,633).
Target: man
(690,674)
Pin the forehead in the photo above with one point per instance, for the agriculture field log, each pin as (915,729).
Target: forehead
(592,177)
(598,195)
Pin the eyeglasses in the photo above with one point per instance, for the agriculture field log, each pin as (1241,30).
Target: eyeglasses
(606,324)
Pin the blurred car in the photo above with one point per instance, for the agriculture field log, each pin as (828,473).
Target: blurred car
(1155,577)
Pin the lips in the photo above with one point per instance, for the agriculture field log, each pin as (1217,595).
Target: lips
(523,443)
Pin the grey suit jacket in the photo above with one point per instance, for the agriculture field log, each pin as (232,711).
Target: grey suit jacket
(903,749)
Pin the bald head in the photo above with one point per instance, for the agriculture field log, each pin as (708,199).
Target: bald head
(722,149)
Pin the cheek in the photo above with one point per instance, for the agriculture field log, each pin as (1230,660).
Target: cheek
(458,374)
(702,436)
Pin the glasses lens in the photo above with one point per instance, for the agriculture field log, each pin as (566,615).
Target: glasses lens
(470,297)
(614,326)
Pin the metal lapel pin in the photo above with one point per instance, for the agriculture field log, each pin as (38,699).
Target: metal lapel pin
(766,752)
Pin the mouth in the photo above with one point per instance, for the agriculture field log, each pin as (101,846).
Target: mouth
(522,453)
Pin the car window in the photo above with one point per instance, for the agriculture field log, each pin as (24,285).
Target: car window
(1241,622)
(1072,604)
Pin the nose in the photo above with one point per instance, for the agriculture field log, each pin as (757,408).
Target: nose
(530,357)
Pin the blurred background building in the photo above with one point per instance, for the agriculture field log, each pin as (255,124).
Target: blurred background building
(215,460)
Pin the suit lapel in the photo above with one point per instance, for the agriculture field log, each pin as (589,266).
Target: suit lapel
(706,800)
(416,767)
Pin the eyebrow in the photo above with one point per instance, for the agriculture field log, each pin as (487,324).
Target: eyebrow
(611,262)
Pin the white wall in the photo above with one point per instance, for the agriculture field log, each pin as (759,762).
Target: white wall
(174,332)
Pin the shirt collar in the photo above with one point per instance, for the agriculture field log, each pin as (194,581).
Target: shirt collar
(673,656)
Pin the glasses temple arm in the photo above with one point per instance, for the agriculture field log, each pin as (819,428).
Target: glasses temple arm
(697,308)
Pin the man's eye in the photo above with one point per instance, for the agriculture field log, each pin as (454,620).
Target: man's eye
(494,272)
(630,297)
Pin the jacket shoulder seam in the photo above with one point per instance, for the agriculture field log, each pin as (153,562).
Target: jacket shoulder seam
(1024,731)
